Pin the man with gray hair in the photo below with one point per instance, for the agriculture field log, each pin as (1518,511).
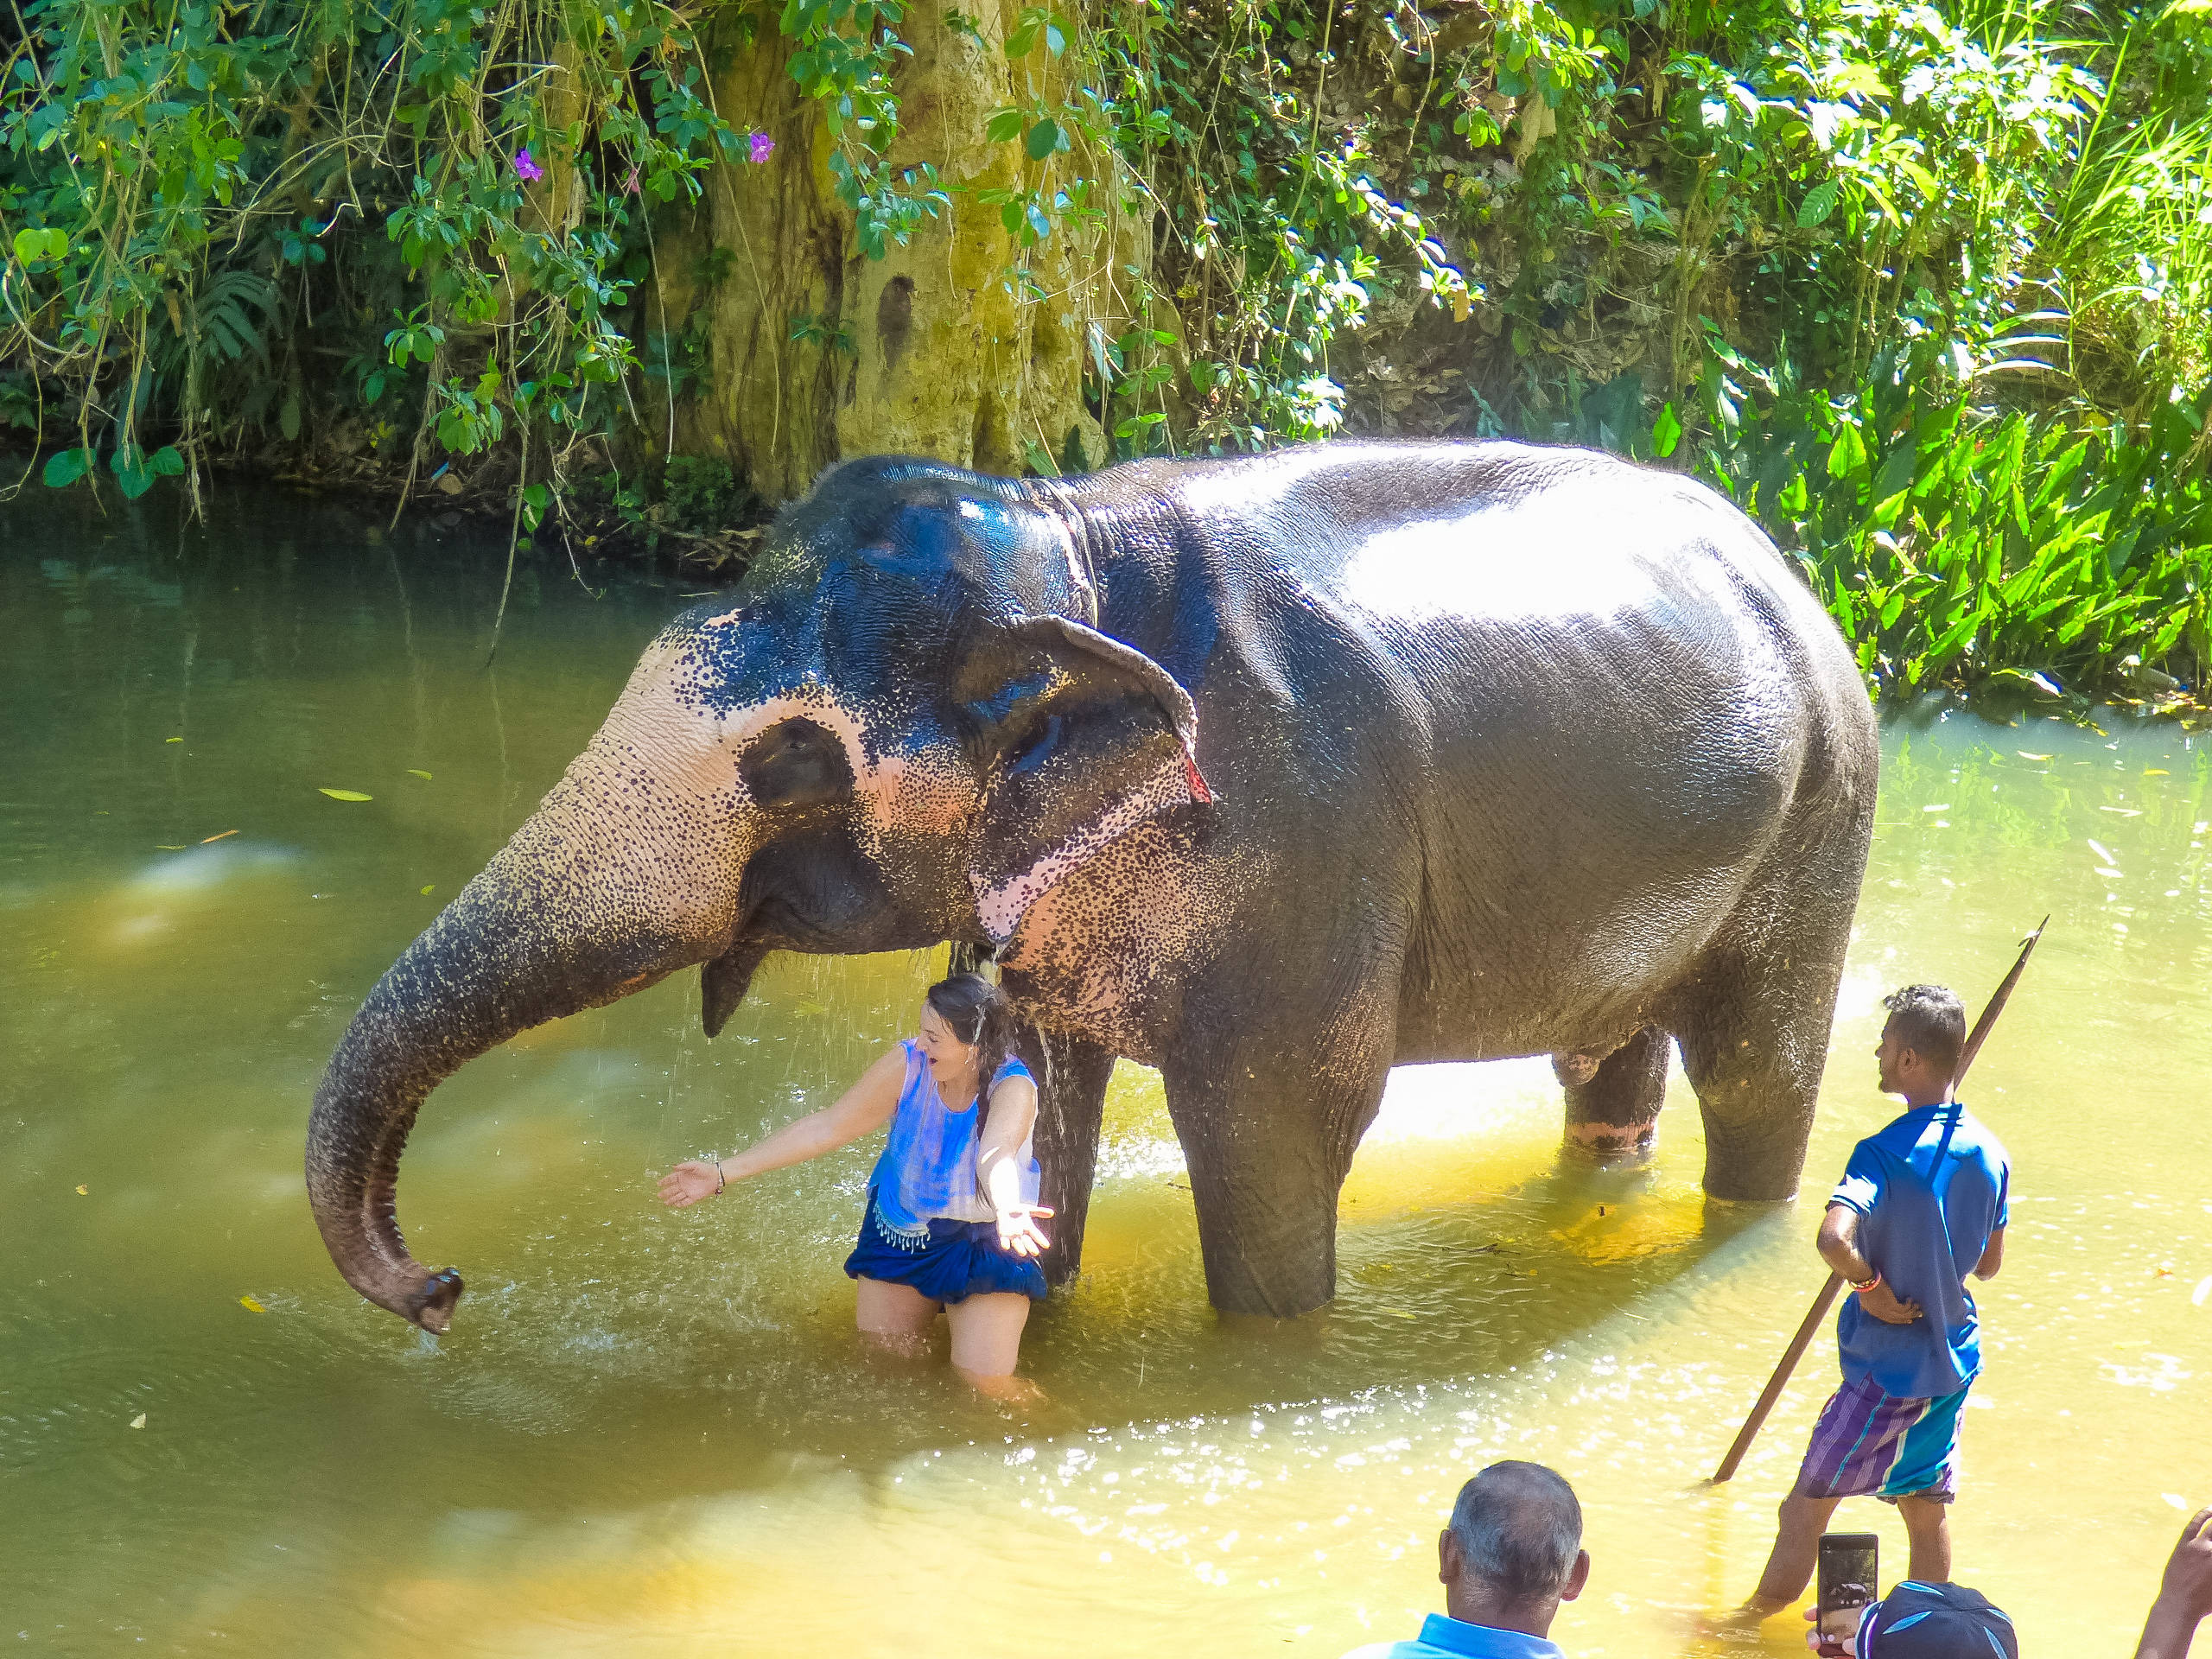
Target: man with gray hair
(1512,1553)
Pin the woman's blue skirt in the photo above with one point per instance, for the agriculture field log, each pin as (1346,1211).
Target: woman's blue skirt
(962,1259)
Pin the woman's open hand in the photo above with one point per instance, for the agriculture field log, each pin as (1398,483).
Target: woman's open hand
(688,1183)
(1018,1233)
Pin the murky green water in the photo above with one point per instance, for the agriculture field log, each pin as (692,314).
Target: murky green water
(652,1433)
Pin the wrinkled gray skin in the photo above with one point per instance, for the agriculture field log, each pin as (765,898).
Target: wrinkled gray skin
(1269,772)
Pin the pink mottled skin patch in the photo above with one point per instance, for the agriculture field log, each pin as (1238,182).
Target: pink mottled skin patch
(1094,952)
(1575,1069)
(1001,907)
(1609,1137)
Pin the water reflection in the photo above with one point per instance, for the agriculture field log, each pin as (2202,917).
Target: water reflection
(656,1431)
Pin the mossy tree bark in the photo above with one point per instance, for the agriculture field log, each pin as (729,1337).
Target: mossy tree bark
(806,351)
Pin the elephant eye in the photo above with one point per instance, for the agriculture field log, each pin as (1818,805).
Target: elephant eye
(1036,745)
(795,763)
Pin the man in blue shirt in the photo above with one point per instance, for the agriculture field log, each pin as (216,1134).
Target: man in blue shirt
(1512,1553)
(1920,1206)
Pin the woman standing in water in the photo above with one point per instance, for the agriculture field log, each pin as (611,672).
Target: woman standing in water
(952,1208)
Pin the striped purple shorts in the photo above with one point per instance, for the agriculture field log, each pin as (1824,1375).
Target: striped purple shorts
(1868,1444)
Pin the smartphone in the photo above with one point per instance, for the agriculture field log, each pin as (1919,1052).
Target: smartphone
(1849,1574)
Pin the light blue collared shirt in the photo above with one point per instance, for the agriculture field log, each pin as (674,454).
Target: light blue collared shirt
(1452,1638)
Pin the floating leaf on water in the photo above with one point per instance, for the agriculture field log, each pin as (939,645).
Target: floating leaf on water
(164,847)
(416,772)
(139,1422)
(250,1305)
(225,836)
(1399,1313)
(1943,807)
(2024,755)
(172,740)
(431,889)
(345,794)
(2156,771)
(84,1192)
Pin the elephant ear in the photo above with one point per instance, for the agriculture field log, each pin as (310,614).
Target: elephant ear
(1082,738)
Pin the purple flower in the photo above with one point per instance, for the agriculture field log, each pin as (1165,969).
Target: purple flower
(529,171)
(761,146)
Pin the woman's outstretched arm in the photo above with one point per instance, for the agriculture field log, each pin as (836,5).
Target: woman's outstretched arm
(998,1161)
(866,1105)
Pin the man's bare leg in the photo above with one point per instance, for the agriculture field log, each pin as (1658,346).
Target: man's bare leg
(1796,1552)
(1927,1525)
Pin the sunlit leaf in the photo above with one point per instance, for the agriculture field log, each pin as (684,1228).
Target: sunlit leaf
(250,1305)
(164,847)
(84,1192)
(225,836)
(429,888)
(413,772)
(2025,755)
(172,740)
(42,245)
(139,1422)
(346,794)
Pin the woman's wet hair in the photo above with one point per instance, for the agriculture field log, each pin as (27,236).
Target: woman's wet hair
(979,1016)
(1931,1021)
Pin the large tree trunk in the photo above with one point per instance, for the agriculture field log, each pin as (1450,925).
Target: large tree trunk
(928,351)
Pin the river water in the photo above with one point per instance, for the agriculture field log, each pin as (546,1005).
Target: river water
(652,1433)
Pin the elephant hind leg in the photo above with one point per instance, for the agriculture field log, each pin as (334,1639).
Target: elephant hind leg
(1613,1102)
(1754,1025)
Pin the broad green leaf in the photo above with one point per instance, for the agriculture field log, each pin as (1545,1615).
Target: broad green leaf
(346,794)
(1666,432)
(42,245)
(1847,455)
(66,467)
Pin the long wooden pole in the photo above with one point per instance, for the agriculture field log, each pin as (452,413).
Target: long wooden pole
(1826,1300)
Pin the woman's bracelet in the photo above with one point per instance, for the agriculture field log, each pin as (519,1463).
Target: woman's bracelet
(721,1180)
(1863,1288)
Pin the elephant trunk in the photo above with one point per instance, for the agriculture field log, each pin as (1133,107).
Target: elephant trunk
(566,916)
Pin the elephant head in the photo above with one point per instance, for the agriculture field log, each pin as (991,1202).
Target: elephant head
(902,728)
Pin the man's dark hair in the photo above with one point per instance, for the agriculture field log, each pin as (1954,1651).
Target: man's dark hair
(1931,1021)
(1519,1530)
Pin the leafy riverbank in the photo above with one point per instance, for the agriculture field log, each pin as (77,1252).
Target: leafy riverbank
(1929,290)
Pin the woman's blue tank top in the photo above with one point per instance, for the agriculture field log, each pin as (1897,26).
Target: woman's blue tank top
(927,1170)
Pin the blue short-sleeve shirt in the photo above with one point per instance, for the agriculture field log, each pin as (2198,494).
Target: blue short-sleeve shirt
(1930,1189)
(1452,1638)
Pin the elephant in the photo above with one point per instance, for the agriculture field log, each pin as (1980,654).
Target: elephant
(1270,772)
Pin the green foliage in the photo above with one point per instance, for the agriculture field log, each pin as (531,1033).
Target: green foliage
(1927,287)
(183,175)
(1953,544)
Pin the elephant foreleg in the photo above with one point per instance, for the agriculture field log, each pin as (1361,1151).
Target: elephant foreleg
(1269,1130)
(1070,1101)
(1612,1103)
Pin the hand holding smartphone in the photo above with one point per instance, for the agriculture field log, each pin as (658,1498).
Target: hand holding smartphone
(1850,1578)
